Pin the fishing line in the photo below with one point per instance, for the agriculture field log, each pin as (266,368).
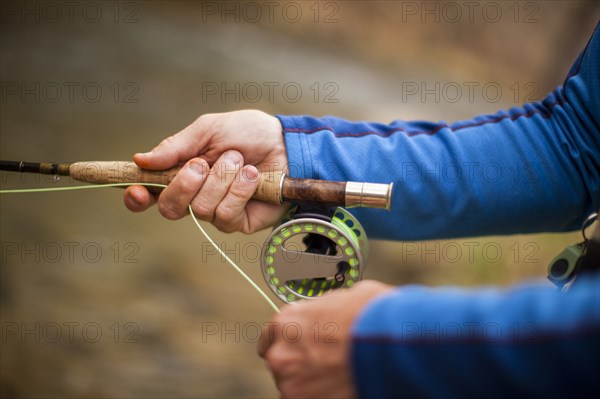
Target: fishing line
(196,221)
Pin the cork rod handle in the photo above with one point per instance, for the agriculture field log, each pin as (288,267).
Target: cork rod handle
(273,187)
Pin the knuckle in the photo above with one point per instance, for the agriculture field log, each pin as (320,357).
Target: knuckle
(248,229)
(188,183)
(202,211)
(167,212)
(203,118)
(167,142)
(276,360)
(187,186)
(289,314)
(239,191)
(276,318)
(200,119)
(225,227)
(206,121)
(225,214)
(225,171)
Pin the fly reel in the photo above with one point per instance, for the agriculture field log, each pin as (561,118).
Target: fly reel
(314,252)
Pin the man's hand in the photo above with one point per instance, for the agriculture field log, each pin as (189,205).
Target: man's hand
(214,180)
(307,345)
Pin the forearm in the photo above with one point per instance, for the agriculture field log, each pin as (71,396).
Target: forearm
(529,169)
(529,341)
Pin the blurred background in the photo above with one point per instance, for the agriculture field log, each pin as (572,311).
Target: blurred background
(99,302)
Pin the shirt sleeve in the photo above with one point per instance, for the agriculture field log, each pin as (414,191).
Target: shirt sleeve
(530,341)
(524,170)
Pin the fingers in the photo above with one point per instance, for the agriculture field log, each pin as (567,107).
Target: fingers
(230,214)
(218,194)
(217,185)
(178,148)
(269,333)
(138,199)
(175,198)
(265,342)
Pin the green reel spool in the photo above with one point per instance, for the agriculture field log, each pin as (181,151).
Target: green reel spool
(309,255)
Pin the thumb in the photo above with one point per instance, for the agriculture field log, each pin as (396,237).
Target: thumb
(175,150)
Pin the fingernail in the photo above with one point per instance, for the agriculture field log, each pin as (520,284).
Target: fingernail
(251,173)
(232,156)
(197,168)
(134,201)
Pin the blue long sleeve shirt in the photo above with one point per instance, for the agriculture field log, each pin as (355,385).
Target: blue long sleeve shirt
(524,170)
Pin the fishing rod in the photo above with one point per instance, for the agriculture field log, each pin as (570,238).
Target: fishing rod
(274,187)
(319,246)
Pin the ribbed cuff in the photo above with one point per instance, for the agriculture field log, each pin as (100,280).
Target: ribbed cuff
(297,146)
